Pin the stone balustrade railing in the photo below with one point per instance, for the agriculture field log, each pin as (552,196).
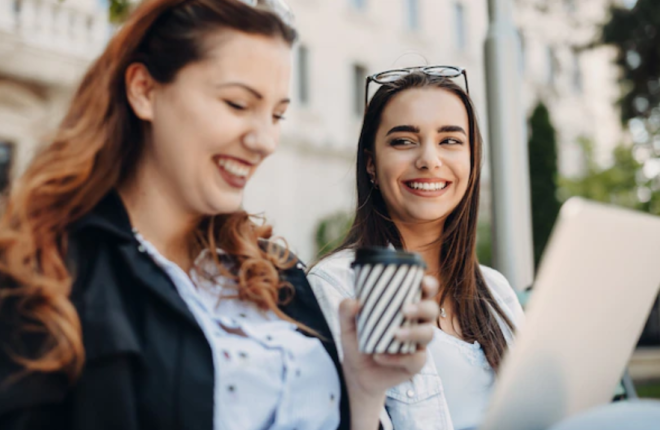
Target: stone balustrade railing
(55,25)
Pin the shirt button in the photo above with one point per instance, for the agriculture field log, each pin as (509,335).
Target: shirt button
(141,248)
(269,338)
(410,393)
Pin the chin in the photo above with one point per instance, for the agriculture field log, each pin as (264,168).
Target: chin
(427,217)
(223,206)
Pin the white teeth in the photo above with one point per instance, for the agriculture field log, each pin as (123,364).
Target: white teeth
(427,186)
(234,167)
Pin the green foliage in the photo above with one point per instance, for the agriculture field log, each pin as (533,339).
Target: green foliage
(621,184)
(119,10)
(636,34)
(331,231)
(484,243)
(543,177)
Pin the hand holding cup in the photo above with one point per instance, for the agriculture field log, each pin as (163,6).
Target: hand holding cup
(373,374)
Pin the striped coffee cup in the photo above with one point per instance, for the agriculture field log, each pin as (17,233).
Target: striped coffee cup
(385,281)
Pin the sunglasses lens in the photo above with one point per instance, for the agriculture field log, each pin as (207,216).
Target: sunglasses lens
(447,72)
(390,76)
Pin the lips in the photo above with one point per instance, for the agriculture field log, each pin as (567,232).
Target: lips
(234,171)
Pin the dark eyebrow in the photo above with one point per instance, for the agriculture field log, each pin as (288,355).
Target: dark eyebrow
(254,92)
(451,129)
(403,128)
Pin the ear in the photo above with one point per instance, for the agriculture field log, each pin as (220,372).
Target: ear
(140,89)
(371,166)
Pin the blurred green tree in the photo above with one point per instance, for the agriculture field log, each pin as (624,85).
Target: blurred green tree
(119,9)
(542,149)
(620,184)
(484,243)
(636,33)
(331,231)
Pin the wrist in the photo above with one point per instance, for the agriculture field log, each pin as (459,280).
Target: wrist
(365,406)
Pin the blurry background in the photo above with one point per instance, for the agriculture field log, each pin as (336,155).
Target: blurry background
(589,72)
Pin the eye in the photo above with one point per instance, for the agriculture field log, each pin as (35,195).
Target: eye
(235,106)
(401,142)
(277,117)
(451,141)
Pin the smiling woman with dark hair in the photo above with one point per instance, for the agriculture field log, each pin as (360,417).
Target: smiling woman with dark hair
(134,291)
(418,173)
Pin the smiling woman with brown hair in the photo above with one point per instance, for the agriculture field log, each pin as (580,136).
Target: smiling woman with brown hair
(135,293)
(418,174)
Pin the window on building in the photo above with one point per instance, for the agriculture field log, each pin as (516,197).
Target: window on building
(359,4)
(460,26)
(412,14)
(359,77)
(6,158)
(522,59)
(571,5)
(303,75)
(551,66)
(577,72)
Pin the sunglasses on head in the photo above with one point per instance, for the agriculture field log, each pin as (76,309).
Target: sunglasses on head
(393,75)
(278,7)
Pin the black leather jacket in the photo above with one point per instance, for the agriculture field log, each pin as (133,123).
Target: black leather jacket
(148,364)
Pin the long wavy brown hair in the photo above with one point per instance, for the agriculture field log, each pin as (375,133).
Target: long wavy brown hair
(460,275)
(94,149)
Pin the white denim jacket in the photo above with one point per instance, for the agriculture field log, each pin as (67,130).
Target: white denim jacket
(419,403)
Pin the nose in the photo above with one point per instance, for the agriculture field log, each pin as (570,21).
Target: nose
(262,139)
(429,157)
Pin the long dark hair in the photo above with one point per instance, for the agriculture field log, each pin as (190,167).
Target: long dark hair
(94,149)
(461,277)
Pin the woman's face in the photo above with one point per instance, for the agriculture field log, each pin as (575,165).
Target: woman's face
(216,122)
(422,155)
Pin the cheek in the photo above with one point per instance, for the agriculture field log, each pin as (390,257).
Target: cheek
(391,166)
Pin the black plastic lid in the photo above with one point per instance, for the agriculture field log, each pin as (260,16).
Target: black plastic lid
(374,255)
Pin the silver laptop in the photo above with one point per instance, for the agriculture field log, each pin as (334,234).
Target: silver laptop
(595,287)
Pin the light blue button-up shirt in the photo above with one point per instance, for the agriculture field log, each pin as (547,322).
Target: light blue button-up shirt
(267,374)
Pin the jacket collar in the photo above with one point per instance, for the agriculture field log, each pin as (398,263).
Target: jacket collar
(109,215)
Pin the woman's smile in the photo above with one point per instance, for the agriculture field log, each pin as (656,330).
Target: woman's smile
(426,187)
(234,170)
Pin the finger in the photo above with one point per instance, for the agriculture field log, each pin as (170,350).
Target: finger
(424,311)
(408,363)
(421,334)
(348,309)
(430,287)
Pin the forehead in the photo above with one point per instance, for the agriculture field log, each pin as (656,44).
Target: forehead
(425,107)
(232,55)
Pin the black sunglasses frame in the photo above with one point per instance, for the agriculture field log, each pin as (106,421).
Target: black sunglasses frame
(426,69)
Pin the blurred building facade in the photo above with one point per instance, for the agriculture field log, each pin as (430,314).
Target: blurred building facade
(45,47)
